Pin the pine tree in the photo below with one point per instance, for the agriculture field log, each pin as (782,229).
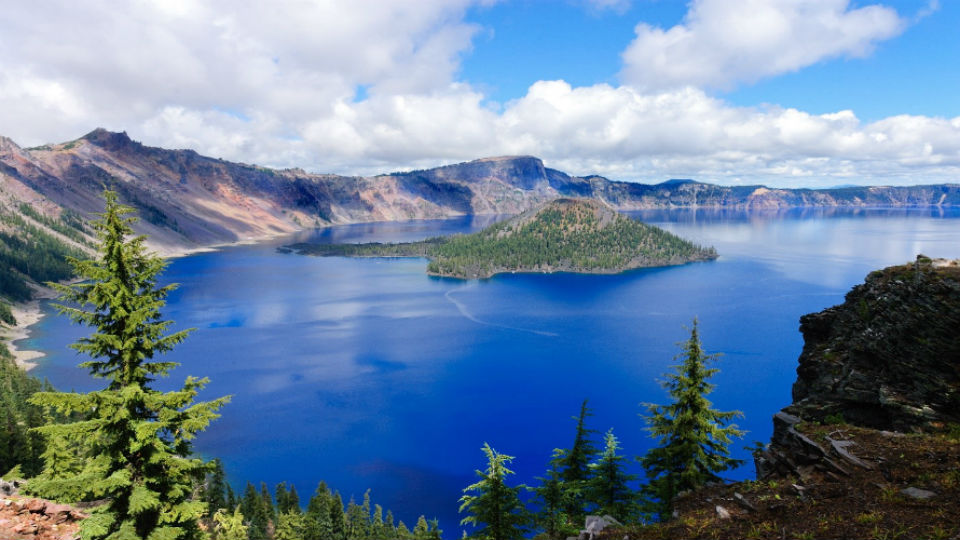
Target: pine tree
(388,523)
(494,507)
(693,442)
(134,442)
(608,487)
(267,503)
(280,494)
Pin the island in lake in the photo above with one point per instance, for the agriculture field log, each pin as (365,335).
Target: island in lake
(564,235)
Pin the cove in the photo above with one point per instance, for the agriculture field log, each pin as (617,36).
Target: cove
(367,373)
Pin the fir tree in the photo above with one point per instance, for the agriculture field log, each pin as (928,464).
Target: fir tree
(134,442)
(267,503)
(388,523)
(494,507)
(434,532)
(280,494)
(693,437)
(608,487)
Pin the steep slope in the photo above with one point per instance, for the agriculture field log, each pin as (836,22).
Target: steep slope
(190,201)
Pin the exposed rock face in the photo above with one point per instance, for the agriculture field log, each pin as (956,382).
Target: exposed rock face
(889,356)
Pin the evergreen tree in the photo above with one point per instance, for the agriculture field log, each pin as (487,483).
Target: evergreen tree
(215,488)
(378,529)
(391,528)
(293,501)
(403,533)
(575,466)
(494,507)
(258,520)
(267,502)
(281,497)
(338,519)
(134,442)
(552,499)
(434,532)
(421,530)
(290,526)
(229,526)
(356,521)
(317,520)
(693,437)
(608,488)
(232,501)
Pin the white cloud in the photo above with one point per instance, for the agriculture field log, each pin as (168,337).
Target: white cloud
(248,81)
(721,43)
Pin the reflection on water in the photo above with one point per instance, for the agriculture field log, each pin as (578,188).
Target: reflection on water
(367,373)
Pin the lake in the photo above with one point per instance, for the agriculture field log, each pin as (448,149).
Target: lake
(367,373)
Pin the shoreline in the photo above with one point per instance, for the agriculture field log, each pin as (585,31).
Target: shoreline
(27,314)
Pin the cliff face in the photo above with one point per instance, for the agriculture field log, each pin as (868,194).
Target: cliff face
(188,200)
(889,356)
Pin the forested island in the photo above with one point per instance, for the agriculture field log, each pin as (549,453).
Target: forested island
(564,235)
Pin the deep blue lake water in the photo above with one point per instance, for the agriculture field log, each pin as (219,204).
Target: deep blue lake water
(367,373)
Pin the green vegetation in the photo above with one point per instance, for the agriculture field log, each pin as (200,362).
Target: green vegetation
(493,506)
(28,253)
(6,316)
(566,235)
(133,445)
(693,437)
(19,446)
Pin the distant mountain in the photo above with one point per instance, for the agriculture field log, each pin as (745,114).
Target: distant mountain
(563,235)
(189,201)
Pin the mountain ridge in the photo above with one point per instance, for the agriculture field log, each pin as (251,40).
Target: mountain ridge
(189,201)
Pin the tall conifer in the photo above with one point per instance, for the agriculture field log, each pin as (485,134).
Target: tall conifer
(693,437)
(134,442)
(493,506)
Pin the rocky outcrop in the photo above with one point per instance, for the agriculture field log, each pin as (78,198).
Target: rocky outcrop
(888,358)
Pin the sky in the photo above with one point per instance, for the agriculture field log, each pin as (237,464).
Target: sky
(787,93)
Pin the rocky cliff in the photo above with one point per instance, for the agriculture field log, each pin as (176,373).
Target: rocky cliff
(189,201)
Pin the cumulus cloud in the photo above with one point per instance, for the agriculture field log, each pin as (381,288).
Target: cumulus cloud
(269,84)
(722,43)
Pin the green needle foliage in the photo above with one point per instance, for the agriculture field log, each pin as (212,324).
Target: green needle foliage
(494,507)
(132,446)
(575,464)
(229,526)
(608,487)
(552,498)
(693,437)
